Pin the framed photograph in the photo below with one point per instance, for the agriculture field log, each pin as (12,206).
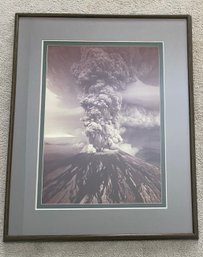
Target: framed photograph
(101,140)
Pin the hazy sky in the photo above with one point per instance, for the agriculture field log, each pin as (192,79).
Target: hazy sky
(140,122)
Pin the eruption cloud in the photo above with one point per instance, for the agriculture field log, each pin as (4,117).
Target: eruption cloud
(101,76)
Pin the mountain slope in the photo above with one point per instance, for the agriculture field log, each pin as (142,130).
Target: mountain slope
(109,177)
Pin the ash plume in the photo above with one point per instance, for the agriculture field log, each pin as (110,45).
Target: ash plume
(101,76)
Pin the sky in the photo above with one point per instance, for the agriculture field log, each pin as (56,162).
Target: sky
(140,115)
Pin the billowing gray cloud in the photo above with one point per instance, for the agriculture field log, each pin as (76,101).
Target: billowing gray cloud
(101,76)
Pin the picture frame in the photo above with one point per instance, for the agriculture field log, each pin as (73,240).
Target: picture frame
(101,138)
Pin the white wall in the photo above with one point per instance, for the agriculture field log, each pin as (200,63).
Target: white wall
(118,248)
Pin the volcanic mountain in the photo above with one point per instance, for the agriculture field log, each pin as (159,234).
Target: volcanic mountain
(104,177)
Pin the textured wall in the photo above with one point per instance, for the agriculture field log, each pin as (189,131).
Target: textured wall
(119,248)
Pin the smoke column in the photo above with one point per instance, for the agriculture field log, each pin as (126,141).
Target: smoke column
(101,76)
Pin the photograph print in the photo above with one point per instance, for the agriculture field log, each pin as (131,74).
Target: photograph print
(102,125)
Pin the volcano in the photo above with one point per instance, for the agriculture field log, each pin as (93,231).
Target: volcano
(102,178)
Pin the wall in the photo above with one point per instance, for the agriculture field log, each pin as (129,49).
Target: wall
(117,248)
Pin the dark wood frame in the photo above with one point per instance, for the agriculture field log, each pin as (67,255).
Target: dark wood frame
(194,234)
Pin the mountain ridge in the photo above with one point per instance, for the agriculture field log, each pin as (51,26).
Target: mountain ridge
(103,178)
